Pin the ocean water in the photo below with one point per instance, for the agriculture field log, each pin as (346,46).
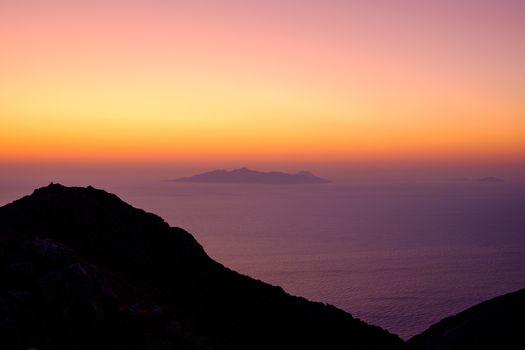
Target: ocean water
(401,256)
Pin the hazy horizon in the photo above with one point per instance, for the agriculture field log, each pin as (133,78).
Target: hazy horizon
(101,175)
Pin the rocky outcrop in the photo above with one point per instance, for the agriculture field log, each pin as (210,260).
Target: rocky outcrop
(81,269)
(494,324)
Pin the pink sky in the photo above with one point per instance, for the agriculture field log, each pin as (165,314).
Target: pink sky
(262,81)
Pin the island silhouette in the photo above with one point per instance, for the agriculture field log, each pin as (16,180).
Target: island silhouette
(82,269)
(249,176)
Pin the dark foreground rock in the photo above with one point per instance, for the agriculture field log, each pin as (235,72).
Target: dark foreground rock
(81,269)
(498,323)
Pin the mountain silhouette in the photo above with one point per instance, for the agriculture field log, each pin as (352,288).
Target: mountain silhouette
(494,324)
(81,269)
(248,176)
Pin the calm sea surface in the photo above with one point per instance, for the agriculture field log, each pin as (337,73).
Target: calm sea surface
(401,256)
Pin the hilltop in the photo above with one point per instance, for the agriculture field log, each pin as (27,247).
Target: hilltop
(81,269)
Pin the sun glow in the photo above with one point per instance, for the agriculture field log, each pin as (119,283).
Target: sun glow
(173,83)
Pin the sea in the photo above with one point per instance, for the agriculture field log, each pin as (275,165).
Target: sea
(399,255)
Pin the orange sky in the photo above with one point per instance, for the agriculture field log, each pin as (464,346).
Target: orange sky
(336,80)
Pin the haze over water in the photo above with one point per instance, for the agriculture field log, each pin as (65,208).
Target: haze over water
(396,254)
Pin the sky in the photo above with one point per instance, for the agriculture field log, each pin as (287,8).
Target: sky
(249,82)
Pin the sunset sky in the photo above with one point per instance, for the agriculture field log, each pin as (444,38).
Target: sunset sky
(341,80)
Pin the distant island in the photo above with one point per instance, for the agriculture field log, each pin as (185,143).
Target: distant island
(249,176)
